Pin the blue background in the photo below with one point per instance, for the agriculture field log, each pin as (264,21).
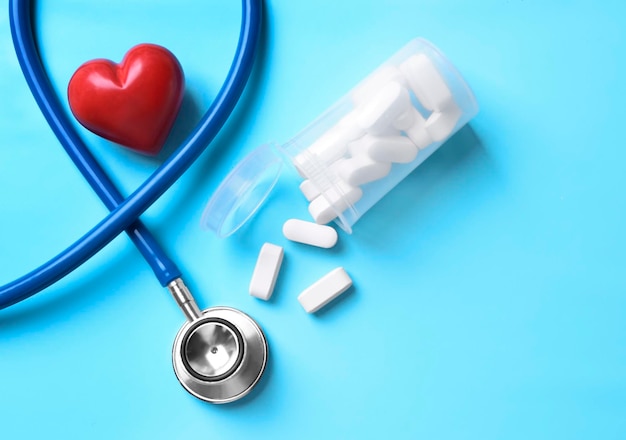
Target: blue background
(489,297)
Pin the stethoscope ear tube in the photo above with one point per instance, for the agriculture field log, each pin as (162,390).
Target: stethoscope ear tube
(129,210)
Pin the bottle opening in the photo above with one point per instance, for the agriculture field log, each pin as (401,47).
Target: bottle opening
(242,192)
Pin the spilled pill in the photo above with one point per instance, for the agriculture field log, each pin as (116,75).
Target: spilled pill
(310,233)
(266,271)
(324,290)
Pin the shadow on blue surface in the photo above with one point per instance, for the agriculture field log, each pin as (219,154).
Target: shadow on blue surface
(186,120)
(79,295)
(228,135)
(337,305)
(401,209)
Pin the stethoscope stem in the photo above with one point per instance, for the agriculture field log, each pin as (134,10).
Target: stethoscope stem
(184,299)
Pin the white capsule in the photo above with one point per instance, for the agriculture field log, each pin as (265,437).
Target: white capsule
(350,126)
(266,271)
(300,163)
(405,120)
(330,146)
(440,125)
(334,169)
(310,233)
(322,211)
(309,190)
(324,290)
(369,87)
(336,198)
(396,149)
(341,195)
(418,133)
(424,79)
(379,114)
(362,169)
(342,191)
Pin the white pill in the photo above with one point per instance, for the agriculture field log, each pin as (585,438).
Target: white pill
(330,146)
(310,233)
(397,149)
(418,133)
(342,191)
(302,163)
(266,271)
(379,114)
(334,170)
(324,290)
(369,87)
(335,199)
(440,125)
(309,190)
(350,126)
(322,211)
(362,169)
(405,120)
(427,83)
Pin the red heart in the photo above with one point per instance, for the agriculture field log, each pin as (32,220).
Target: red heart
(133,103)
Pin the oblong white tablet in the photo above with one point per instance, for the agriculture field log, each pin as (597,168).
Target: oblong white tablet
(350,126)
(310,233)
(331,145)
(379,114)
(322,211)
(309,190)
(335,199)
(405,120)
(417,132)
(362,169)
(324,290)
(396,149)
(427,83)
(368,88)
(266,271)
(440,125)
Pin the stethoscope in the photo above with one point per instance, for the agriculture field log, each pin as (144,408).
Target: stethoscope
(220,353)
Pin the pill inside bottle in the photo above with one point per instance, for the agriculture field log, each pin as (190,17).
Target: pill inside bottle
(361,147)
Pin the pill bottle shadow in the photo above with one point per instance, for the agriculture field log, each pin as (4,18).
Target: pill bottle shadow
(400,215)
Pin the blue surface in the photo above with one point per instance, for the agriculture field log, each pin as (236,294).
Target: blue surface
(489,297)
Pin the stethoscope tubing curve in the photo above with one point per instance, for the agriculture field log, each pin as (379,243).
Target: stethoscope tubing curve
(128,211)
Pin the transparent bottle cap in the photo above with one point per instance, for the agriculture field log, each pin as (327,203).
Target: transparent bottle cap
(242,192)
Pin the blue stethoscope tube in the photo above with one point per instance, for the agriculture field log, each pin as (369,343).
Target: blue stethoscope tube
(124,212)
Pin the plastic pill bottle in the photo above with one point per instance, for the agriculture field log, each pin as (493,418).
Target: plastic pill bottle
(360,148)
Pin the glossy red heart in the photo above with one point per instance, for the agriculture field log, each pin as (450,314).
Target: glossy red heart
(133,103)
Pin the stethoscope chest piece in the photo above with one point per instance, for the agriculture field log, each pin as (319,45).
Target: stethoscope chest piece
(220,356)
